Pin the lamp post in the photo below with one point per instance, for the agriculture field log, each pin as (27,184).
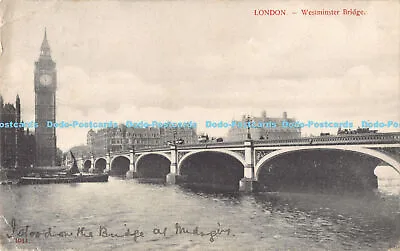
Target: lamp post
(131,173)
(175,132)
(248,120)
(171,177)
(91,168)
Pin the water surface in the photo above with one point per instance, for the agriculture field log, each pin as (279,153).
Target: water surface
(273,221)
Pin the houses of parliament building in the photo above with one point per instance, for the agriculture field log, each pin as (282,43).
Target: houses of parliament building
(17,145)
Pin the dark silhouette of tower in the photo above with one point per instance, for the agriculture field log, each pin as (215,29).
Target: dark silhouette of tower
(45,80)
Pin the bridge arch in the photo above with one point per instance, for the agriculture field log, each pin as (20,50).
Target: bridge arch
(119,165)
(117,156)
(233,154)
(374,153)
(152,153)
(87,165)
(215,169)
(153,165)
(100,165)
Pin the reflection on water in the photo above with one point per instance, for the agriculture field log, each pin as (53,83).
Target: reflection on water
(389,185)
(346,220)
(388,180)
(267,221)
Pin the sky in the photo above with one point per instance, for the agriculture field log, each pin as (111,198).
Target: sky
(204,60)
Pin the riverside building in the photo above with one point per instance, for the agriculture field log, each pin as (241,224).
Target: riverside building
(125,138)
(265,132)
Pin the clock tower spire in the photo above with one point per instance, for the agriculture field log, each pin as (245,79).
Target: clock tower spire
(45,48)
(45,82)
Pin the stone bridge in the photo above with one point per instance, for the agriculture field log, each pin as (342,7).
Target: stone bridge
(342,160)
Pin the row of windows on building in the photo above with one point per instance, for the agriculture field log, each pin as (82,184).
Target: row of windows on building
(264,133)
(124,138)
(132,141)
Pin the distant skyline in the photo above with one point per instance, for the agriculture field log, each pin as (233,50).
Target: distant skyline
(196,61)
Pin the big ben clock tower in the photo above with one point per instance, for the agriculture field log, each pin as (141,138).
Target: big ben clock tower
(45,106)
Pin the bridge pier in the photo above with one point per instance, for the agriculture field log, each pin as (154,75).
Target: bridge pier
(131,174)
(171,179)
(108,163)
(91,169)
(80,162)
(173,169)
(248,184)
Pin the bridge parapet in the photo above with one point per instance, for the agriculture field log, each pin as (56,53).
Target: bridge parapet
(370,138)
(146,150)
(376,138)
(213,145)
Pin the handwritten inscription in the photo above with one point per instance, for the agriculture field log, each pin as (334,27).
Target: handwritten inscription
(24,234)
(195,231)
(103,232)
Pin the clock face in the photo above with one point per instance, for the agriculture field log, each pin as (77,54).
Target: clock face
(45,79)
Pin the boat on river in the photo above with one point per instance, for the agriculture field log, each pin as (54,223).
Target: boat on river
(71,175)
(60,178)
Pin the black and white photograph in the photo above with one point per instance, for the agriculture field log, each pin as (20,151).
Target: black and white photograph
(199,125)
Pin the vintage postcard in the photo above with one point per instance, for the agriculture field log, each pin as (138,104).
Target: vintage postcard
(199,125)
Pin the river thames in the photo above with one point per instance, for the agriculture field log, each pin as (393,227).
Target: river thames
(127,215)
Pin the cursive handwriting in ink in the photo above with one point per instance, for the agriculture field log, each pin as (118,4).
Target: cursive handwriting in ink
(21,234)
(212,234)
(158,231)
(103,232)
(81,231)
